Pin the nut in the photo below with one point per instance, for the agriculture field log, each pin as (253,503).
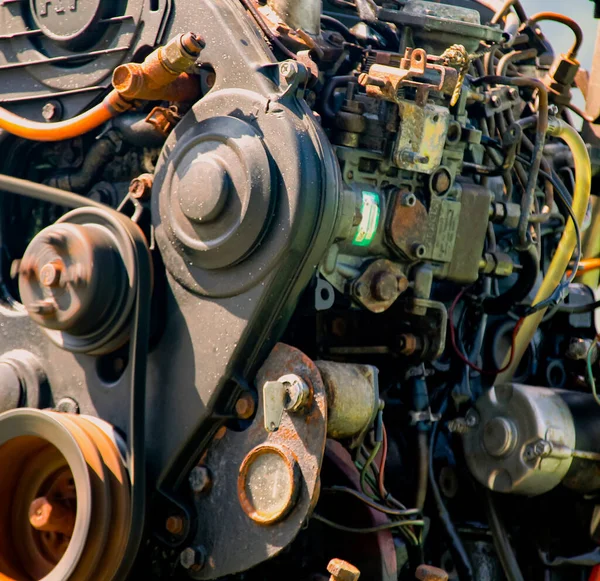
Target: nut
(193,558)
(67,405)
(140,188)
(50,273)
(342,571)
(385,287)
(200,479)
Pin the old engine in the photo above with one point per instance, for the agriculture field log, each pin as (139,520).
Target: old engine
(292,288)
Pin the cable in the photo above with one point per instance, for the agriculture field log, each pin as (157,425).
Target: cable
(370,459)
(338,26)
(579,309)
(370,502)
(368,530)
(461,356)
(568,242)
(461,558)
(590,372)
(267,31)
(384,453)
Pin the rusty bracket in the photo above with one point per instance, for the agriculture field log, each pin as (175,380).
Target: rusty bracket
(385,81)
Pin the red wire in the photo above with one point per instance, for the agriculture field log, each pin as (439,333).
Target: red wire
(384,452)
(460,354)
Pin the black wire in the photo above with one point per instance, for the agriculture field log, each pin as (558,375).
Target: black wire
(368,501)
(579,309)
(338,26)
(368,530)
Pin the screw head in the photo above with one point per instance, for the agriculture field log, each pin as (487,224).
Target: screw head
(199,479)
(361,290)
(408,200)
(288,70)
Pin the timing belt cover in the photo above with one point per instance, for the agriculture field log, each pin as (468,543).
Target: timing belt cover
(245,203)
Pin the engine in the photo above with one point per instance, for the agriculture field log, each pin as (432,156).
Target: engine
(296,289)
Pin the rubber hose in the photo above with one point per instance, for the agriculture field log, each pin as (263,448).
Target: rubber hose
(526,281)
(566,246)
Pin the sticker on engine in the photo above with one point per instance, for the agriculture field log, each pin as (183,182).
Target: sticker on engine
(370,211)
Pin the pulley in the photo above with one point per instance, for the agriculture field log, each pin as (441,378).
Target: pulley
(67,504)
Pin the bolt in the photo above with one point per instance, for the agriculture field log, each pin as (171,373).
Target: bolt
(48,516)
(553,110)
(361,290)
(429,573)
(496,101)
(408,200)
(44,307)
(513,93)
(67,405)
(50,111)
(297,392)
(200,480)
(385,287)
(50,273)
(342,571)
(288,70)
(193,558)
(140,188)
(471,419)
(175,525)
(409,344)
(245,407)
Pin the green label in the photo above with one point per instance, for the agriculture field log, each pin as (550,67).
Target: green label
(370,211)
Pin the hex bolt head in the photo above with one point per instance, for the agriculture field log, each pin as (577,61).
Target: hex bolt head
(342,571)
(200,479)
(361,290)
(245,407)
(193,558)
(175,525)
(140,188)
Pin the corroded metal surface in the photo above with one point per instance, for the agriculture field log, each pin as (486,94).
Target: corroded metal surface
(301,435)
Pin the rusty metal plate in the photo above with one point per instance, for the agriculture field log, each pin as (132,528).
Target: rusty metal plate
(233,541)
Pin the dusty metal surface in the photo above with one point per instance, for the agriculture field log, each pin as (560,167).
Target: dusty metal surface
(301,437)
(352,398)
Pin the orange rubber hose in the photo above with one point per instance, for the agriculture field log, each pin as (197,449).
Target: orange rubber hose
(87,121)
